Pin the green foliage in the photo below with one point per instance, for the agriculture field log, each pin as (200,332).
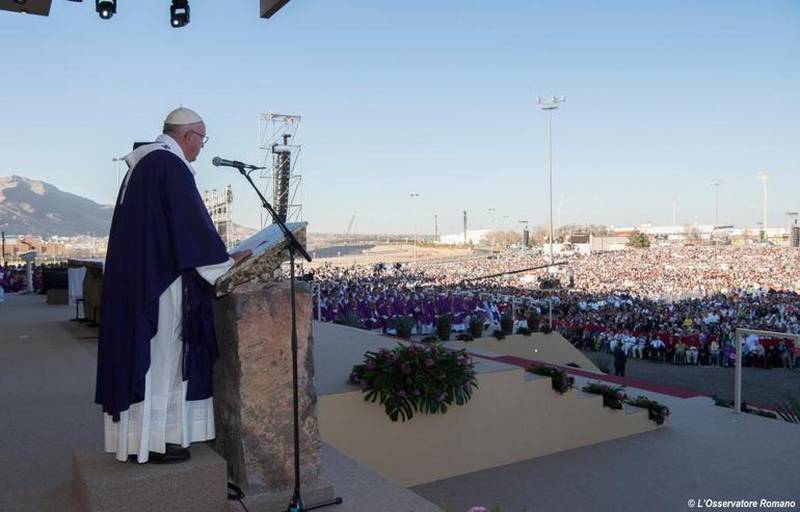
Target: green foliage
(500,335)
(560,380)
(613,396)
(523,331)
(789,410)
(533,321)
(476,327)
(656,411)
(416,378)
(507,323)
(443,327)
(350,319)
(403,325)
(638,240)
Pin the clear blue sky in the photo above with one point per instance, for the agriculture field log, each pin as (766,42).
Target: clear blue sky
(435,98)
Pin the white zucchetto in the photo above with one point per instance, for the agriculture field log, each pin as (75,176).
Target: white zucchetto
(182,116)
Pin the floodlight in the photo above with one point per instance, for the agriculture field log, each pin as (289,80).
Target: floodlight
(179,13)
(105,8)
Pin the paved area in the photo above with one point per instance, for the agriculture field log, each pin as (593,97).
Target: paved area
(704,452)
(759,385)
(47,378)
(46,391)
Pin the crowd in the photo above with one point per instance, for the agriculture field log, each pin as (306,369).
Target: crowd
(678,304)
(13,278)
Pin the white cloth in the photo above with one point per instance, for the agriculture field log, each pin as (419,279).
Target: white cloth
(164,416)
(163,141)
(75,283)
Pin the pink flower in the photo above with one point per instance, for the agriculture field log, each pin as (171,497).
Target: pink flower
(478,509)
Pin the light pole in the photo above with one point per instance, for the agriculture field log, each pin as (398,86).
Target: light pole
(674,212)
(791,215)
(491,217)
(412,196)
(117,161)
(716,184)
(524,243)
(764,175)
(549,105)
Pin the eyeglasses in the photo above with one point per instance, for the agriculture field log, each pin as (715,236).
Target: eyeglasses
(202,136)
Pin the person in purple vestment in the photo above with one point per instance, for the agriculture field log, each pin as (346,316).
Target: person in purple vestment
(156,346)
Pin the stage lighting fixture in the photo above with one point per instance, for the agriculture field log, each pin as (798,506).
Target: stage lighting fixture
(179,13)
(105,8)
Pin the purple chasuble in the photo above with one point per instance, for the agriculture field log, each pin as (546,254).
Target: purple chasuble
(160,231)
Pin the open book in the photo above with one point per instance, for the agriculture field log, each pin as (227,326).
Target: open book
(269,252)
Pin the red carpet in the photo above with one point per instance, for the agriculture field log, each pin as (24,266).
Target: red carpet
(619,381)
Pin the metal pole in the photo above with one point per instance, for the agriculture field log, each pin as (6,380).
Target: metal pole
(738,390)
(319,302)
(550,136)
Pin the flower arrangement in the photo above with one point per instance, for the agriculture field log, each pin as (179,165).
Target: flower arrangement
(656,411)
(523,331)
(560,380)
(416,378)
(498,334)
(613,396)
(465,336)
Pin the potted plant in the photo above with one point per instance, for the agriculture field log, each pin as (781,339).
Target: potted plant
(443,327)
(507,323)
(561,382)
(403,325)
(476,327)
(416,378)
(613,396)
(533,321)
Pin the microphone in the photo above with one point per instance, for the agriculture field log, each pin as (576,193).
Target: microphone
(221,162)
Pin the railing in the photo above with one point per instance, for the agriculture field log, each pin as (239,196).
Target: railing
(740,334)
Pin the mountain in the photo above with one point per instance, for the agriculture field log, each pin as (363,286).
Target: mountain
(34,207)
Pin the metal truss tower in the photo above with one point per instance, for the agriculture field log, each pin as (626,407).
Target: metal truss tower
(219,207)
(278,139)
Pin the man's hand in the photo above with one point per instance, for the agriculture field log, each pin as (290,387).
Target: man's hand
(240,256)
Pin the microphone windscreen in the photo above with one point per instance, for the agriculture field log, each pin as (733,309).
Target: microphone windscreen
(216,161)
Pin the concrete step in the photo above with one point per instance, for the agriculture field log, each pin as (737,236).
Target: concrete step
(101,483)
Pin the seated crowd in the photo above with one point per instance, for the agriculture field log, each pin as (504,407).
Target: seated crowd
(708,294)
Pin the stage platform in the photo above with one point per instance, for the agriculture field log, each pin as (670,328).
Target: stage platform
(47,372)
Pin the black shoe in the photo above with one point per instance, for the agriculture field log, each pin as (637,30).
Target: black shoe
(173,455)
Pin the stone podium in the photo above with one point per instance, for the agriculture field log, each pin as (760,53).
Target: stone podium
(253,406)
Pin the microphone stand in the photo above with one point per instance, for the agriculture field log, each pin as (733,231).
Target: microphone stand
(296,504)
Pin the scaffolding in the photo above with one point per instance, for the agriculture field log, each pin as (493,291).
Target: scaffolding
(219,208)
(278,139)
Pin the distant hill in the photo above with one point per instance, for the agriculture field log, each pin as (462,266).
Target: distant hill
(34,207)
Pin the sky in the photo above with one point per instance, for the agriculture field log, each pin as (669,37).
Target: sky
(429,98)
